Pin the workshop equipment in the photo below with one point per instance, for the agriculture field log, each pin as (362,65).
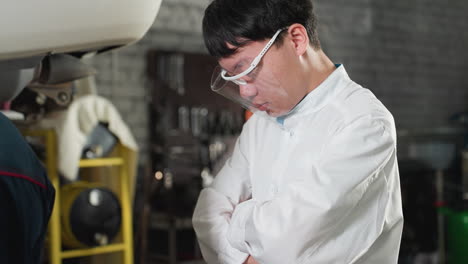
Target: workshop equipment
(117,177)
(457,234)
(91,215)
(438,156)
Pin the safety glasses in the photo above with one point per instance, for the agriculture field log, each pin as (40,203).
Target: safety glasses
(236,78)
(256,92)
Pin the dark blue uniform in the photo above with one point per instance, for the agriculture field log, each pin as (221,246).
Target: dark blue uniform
(26,199)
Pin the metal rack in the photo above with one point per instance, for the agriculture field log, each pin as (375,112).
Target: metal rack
(125,246)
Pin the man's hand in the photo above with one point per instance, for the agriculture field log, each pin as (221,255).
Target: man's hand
(250,260)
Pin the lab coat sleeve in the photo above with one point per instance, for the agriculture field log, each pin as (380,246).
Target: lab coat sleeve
(333,212)
(215,206)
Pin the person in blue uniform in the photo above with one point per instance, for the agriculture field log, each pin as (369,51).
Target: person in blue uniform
(26,198)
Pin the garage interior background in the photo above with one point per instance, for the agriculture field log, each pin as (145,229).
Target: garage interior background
(411,54)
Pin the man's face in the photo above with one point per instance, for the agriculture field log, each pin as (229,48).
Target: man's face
(268,86)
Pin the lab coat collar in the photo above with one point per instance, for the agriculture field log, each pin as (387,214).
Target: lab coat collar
(317,98)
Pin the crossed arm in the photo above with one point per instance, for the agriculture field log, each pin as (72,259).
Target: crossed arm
(339,206)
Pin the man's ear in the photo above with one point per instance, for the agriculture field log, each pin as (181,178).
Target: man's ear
(299,38)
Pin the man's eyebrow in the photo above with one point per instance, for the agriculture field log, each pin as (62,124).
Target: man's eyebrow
(238,64)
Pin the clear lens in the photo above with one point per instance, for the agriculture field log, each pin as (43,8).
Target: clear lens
(253,86)
(262,93)
(229,89)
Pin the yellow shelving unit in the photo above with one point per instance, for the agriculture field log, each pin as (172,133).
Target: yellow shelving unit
(56,254)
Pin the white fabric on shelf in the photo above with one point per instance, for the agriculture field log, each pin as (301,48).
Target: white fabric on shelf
(74,125)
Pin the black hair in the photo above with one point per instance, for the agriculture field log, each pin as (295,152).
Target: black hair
(238,22)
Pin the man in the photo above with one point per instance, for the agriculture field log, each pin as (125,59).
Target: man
(314,175)
(26,198)
(26,194)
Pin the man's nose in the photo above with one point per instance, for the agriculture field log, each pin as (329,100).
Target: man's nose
(247,91)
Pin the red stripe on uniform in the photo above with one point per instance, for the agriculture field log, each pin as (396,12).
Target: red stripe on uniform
(21,176)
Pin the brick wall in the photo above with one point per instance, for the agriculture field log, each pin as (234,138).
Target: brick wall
(411,54)
(122,73)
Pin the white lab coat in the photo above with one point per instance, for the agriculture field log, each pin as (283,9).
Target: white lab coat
(321,188)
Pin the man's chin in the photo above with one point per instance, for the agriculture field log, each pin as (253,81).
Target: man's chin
(273,113)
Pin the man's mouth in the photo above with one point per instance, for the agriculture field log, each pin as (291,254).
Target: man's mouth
(262,107)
